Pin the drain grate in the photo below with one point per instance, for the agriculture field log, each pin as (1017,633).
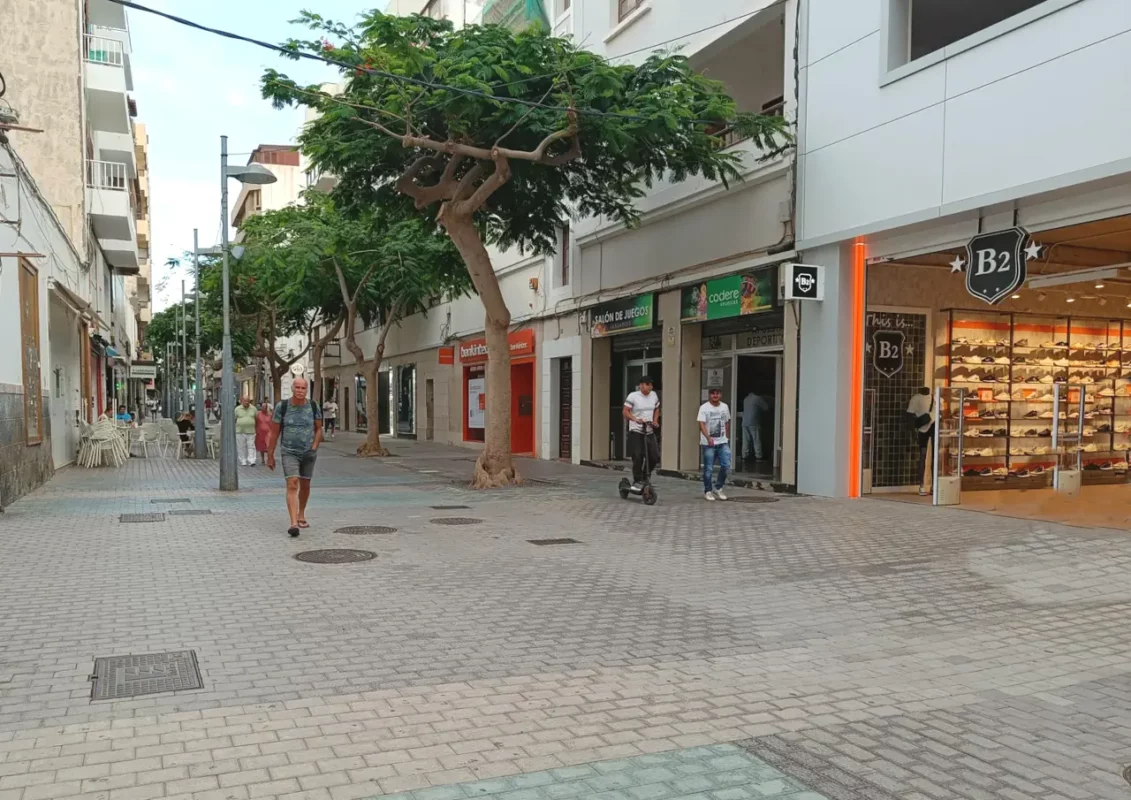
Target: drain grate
(545,542)
(170,500)
(752,500)
(363,530)
(157,517)
(455,521)
(190,512)
(116,677)
(335,556)
(447,508)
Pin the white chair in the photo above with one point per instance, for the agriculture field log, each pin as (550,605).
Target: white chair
(148,435)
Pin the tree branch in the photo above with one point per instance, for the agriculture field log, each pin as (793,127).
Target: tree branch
(468,183)
(494,182)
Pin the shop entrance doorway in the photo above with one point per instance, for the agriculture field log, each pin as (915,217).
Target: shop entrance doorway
(634,370)
(757,414)
(522,409)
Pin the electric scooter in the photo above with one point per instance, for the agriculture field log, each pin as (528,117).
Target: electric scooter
(645,491)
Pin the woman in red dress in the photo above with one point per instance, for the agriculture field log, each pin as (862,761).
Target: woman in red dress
(262,430)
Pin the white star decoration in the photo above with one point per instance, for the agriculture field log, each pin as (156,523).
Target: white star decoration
(958,263)
(1032,251)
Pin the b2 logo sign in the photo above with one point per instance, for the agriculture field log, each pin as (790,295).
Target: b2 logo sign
(887,352)
(995,264)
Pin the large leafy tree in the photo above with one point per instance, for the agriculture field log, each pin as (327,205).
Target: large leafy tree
(503,136)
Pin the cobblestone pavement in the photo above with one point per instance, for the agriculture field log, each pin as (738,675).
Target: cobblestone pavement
(801,648)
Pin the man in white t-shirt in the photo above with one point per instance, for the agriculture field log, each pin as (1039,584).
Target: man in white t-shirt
(642,410)
(714,439)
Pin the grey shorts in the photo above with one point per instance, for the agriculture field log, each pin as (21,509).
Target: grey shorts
(301,467)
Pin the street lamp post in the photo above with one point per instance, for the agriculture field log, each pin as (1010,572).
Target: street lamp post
(184,350)
(198,435)
(253,174)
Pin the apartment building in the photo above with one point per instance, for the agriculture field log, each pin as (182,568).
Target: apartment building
(696,239)
(71,213)
(965,185)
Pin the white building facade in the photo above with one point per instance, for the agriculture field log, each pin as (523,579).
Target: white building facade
(924,125)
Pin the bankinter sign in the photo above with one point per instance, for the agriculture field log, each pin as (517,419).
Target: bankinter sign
(474,351)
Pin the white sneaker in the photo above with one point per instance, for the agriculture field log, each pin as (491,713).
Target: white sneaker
(709,496)
(719,495)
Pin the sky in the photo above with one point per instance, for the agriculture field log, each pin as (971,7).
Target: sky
(190,88)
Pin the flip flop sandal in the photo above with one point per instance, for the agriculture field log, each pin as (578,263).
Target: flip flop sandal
(302,523)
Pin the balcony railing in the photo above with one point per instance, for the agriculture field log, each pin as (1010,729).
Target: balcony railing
(730,136)
(107,175)
(100,50)
(109,32)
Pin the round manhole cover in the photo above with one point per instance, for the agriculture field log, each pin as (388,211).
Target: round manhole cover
(456,521)
(364,530)
(335,556)
(753,500)
(1127,773)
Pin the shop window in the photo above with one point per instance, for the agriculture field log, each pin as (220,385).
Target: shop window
(563,278)
(475,403)
(29,339)
(918,28)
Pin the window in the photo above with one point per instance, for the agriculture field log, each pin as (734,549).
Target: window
(565,254)
(918,28)
(626,7)
(29,347)
(565,6)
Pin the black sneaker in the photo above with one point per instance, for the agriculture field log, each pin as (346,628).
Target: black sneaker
(1033,414)
(293,532)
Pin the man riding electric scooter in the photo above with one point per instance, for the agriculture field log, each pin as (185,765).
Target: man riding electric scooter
(642,410)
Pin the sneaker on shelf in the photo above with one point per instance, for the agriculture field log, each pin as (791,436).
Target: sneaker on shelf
(971,360)
(1061,344)
(1087,380)
(1033,379)
(1023,473)
(1091,466)
(985,472)
(1046,362)
(986,452)
(1107,391)
(1001,472)
(1107,465)
(1091,447)
(1004,360)
(1034,414)
(1061,362)
(988,378)
(1119,466)
(961,340)
(1046,379)
(1088,431)
(1045,398)
(1021,343)
(1002,397)
(1038,470)
(988,360)
(971,473)
(1045,432)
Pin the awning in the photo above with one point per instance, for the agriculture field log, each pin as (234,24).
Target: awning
(110,351)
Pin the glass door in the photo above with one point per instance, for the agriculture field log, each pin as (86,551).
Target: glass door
(406,400)
(635,370)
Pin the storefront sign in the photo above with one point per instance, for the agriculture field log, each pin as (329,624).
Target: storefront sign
(760,339)
(995,263)
(144,372)
(474,351)
(447,355)
(732,296)
(803,282)
(622,316)
(477,403)
(887,352)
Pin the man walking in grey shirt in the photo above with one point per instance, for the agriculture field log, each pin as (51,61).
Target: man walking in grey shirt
(298,423)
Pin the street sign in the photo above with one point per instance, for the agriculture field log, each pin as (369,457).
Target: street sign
(802,282)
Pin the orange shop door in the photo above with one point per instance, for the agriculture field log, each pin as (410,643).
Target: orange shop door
(522,408)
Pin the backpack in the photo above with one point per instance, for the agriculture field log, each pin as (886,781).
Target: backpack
(283,416)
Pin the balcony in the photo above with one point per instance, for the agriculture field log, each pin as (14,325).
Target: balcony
(111,209)
(142,226)
(107,84)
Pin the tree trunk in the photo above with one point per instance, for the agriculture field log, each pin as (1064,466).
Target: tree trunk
(372,445)
(316,389)
(495,466)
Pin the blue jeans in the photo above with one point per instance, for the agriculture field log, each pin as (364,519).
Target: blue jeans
(722,452)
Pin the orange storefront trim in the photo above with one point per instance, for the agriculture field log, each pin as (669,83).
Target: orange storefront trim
(856,382)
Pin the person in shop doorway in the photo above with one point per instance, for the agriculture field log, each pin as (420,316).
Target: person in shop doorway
(263,430)
(714,441)
(246,415)
(642,410)
(297,423)
(330,417)
(921,413)
(754,409)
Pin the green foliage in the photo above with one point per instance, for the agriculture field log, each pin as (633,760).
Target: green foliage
(639,123)
(165,327)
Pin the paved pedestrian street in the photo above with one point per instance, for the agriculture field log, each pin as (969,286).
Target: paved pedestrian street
(787,647)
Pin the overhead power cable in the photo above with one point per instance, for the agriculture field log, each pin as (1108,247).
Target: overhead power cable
(389,75)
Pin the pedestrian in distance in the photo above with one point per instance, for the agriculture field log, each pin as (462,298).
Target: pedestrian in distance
(714,441)
(246,415)
(263,430)
(330,415)
(296,427)
(642,410)
(754,408)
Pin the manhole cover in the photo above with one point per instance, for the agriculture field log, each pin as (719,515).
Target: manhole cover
(544,542)
(141,518)
(190,512)
(1127,773)
(335,556)
(170,500)
(116,677)
(448,508)
(455,521)
(361,530)
(753,500)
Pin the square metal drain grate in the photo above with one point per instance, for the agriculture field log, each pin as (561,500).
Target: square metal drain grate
(448,508)
(156,517)
(545,542)
(189,512)
(117,677)
(170,500)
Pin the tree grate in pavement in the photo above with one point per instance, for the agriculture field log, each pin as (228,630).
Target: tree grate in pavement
(190,512)
(335,556)
(365,530)
(170,500)
(455,521)
(753,500)
(156,517)
(546,542)
(447,508)
(117,677)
